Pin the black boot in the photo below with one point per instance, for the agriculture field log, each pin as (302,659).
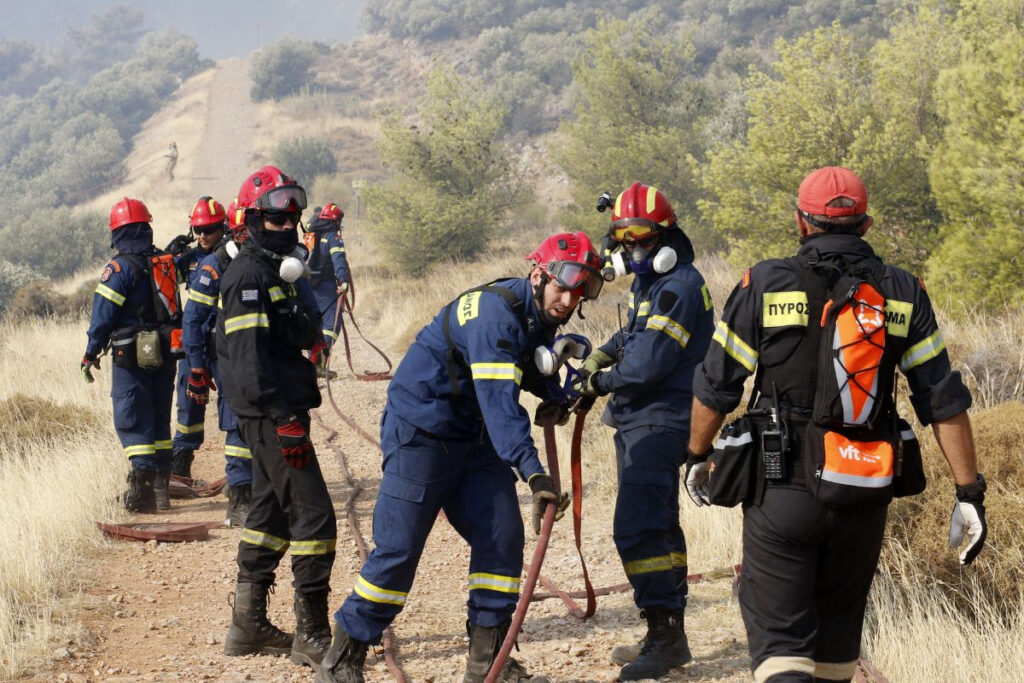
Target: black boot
(664,647)
(139,497)
(181,462)
(343,662)
(251,632)
(624,654)
(238,504)
(312,629)
(162,490)
(484,644)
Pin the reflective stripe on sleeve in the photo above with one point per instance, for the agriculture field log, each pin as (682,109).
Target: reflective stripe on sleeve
(738,349)
(200,298)
(107,293)
(496,371)
(661,563)
(244,322)
(264,540)
(337,250)
(368,591)
(494,582)
(276,294)
(322,546)
(669,327)
(923,351)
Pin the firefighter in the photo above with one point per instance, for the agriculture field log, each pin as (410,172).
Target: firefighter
(807,567)
(647,367)
(262,329)
(451,430)
(136,311)
(329,274)
(206,221)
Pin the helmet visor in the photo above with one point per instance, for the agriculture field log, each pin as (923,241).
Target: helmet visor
(576,276)
(283,198)
(633,229)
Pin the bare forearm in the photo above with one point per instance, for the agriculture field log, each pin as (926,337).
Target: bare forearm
(704,425)
(957,443)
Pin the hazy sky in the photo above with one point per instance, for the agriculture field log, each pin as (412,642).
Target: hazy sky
(223,28)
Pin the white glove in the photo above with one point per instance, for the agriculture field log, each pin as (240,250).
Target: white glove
(698,476)
(967,519)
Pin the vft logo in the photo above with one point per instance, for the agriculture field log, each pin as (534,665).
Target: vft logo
(850,452)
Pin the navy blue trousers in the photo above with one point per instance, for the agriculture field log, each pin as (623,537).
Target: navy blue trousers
(142,415)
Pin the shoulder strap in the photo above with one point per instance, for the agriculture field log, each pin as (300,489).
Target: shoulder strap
(453,359)
(147,310)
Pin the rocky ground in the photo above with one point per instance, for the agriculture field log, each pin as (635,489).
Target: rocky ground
(158,612)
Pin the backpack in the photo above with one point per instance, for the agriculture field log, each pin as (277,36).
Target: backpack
(162,312)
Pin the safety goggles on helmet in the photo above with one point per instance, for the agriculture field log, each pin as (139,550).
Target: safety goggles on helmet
(576,276)
(283,198)
(633,230)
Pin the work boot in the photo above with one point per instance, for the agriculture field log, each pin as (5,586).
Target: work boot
(343,662)
(312,629)
(484,644)
(624,654)
(139,497)
(664,648)
(181,462)
(238,504)
(162,490)
(251,633)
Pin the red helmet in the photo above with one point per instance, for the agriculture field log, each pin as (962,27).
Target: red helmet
(129,211)
(332,212)
(236,222)
(570,259)
(207,212)
(271,189)
(640,210)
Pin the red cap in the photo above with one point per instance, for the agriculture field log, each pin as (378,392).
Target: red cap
(827,184)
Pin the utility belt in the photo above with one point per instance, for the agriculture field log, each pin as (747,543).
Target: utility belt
(842,468)
(146,348)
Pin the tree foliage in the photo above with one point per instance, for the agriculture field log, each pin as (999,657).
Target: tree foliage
(306,157)
(452,181)
(282,69)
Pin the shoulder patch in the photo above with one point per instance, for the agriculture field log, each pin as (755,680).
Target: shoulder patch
(249,297)
(745,282)
(666,300)
(211,270)
(468,307)
(105,275)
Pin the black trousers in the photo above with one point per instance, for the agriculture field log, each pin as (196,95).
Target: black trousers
(804,584)
(290,508)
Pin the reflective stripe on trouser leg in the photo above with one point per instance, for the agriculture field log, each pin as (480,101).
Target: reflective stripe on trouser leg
(806,574)
(190,417)
(801,668)
(646,527)
(835,671)
(277,520)
(484,509)
(237,456)
(403,516)
(141,402)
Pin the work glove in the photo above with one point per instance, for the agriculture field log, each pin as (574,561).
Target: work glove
(698,477)
(544,492)
(342,286)
(200,381)
(89,361)
(585,385)
(319,353)
(551,409)
(296,448)
(968,519)
(597,360)
(178,245)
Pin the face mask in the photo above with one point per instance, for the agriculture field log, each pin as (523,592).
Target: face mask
(279,241)
(641,262)
(291,269)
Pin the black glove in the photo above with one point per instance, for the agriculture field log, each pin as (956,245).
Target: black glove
(89,361)
(969,519)
(296,448)
(543,488)
(179,245)
(200,381)
(550,409)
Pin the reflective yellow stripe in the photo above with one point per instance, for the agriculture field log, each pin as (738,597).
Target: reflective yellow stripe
(367,590)
(494,582)
(645,307)
(200,298)
(337,250)
(237,452)
(190,429)
(244,322)
(735,347)
(678,559)
(314,547)
(496,371)
(163,445)
(923,351)
(108,293)
(276,294)
(253,537)
(140,449)
(661,563)
(835,671)
(669,327)
(330,333)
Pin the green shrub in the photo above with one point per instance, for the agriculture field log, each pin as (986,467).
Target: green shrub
(61,242)
(281,69)
(305,158)
(12,278)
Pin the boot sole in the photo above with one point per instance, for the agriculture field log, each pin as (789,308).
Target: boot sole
(302,658)
(655,674)
(233,650)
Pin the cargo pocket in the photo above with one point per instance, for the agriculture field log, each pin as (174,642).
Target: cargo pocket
(125,409)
